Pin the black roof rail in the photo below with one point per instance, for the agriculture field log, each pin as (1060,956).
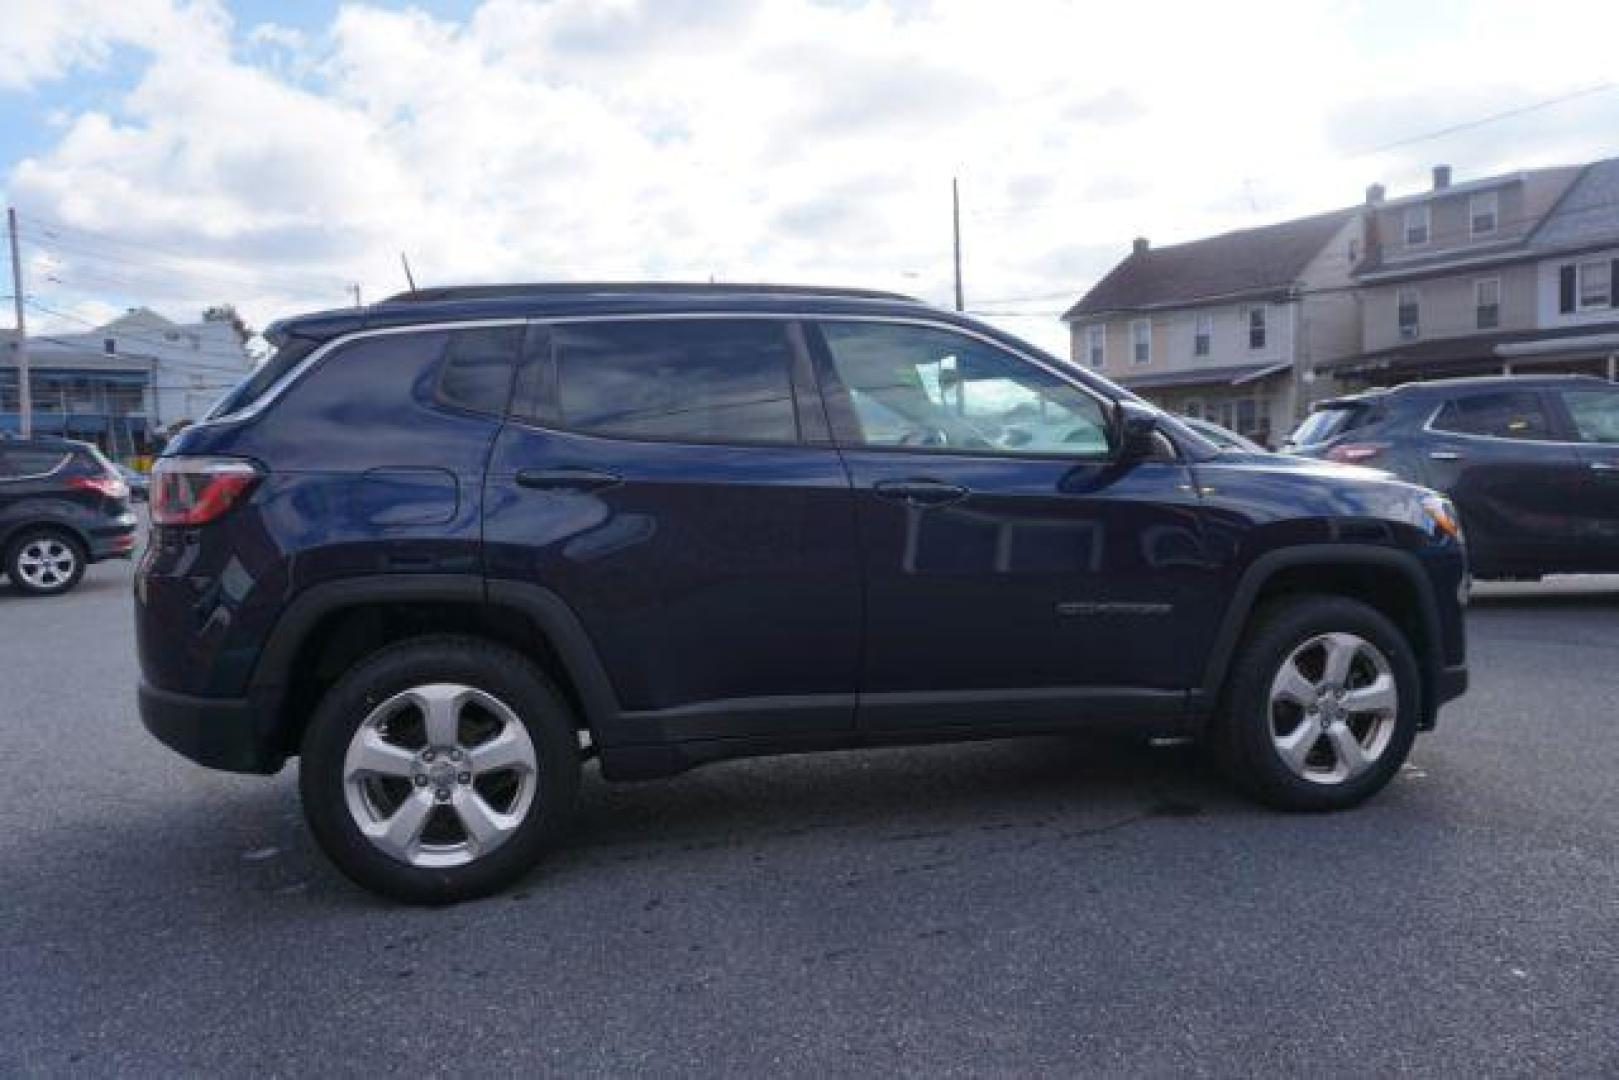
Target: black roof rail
(520,290)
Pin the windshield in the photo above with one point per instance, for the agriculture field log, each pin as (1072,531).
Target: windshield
(1326,422)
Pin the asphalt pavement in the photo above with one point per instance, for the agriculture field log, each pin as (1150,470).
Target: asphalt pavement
(1048,906)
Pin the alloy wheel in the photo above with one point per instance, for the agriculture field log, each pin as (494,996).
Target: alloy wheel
(440,775)
(1333,706)
(46,563)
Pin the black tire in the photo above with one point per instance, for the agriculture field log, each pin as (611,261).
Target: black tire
(27,539)
(482,665)
(1241,736)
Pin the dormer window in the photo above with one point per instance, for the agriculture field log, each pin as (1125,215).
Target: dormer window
(1483,210)
(1416,225)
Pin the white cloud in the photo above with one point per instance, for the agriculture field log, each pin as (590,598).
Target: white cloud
(778,140)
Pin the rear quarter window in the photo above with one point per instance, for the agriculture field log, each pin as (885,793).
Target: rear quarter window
(477,370)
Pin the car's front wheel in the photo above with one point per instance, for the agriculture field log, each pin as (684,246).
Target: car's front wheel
(1321,706)
(44,562)
(439,769)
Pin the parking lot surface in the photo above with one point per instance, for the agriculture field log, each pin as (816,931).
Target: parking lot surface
(1051,905)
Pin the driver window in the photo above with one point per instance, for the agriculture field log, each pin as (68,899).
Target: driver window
(917,386)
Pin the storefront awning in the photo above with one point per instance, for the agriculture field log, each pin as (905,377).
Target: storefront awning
(1225,376)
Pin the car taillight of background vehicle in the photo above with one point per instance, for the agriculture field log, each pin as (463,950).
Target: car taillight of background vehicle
(110,486)
(1356,453)
(196,490)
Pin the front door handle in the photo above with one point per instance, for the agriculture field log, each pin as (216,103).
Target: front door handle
(580,480)
(920,492)
(1445,455)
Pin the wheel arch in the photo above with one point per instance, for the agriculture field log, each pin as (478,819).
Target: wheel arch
(1387,579)
(11,530)
(330,626)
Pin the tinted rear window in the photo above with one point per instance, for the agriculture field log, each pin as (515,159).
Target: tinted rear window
(1329,422)
(1502,414)
(253,387)
(688,380)
(477,372)
(18,463)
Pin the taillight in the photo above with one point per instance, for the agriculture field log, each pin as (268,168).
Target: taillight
(110,486)
(196,490)
(1356,453)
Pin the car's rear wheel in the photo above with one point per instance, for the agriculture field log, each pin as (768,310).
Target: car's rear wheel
(439,769)
(44,562)
(1322,704)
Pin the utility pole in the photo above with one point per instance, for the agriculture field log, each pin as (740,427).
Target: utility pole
(25,391)
(355,289)
(955,218)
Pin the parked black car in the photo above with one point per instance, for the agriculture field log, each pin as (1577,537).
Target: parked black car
(62,507)
(446,546)
(1531,462)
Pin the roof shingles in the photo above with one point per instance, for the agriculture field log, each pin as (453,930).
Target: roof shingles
(1249,262)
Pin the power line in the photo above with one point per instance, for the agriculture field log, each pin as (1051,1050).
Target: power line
(993,213)
(84,237)
(1468,125)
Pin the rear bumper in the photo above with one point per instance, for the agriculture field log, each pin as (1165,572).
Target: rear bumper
(115,540)
(222,733)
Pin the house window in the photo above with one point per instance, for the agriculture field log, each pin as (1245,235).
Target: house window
(1487,303)
(1596,281)
(1096,345)
(1141,341)
(1483,211)
(1409,312)
(1416,225)
(1193,408)
(1203,335)
(1256,327)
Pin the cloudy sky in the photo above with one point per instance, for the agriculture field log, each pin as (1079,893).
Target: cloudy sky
(271,154)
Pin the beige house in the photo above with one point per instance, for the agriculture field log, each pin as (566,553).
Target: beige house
(1507,273)
(1230,328)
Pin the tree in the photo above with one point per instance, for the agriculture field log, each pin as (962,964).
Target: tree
(228,313)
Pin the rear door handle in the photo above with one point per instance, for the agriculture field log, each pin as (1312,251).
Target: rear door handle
(1445,455)
(920,492)
(1605,470)
(582,480)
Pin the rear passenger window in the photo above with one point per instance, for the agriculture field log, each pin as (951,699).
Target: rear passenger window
(18,464)
(477,371)
(1506,414)
(687,380)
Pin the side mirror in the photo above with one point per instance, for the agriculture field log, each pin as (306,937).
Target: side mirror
(1135,431)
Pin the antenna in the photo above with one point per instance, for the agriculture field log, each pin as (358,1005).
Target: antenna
(409,280)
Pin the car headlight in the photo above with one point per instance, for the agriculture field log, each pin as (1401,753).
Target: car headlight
(1440,517)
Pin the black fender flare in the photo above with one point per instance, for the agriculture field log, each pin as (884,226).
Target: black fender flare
(1267,566)
(548,611)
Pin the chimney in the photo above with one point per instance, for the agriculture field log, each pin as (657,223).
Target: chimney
(1139,247)
(1375,193)
(1441,177)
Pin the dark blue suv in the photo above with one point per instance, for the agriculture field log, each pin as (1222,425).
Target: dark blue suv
(448,547)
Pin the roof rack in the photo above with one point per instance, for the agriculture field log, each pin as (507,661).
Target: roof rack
(631,288)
